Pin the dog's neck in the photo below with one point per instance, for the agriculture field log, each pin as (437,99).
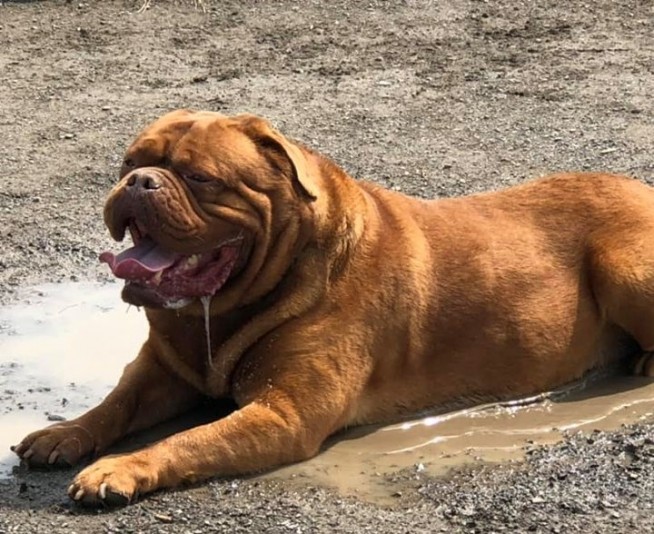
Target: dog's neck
(323,246)
(339,214)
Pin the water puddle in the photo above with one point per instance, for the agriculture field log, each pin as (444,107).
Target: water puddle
(356,461)
(64,346)
(61,350)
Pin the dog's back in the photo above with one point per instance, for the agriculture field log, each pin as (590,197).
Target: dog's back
(509,293)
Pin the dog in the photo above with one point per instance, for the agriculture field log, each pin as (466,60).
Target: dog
(317,302)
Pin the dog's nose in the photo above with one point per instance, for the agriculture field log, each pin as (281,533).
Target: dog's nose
(144,180)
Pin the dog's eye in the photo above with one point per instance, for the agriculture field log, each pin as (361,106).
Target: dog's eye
(194,177)
(129,162)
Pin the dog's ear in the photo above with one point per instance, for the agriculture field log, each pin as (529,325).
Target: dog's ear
(267,138)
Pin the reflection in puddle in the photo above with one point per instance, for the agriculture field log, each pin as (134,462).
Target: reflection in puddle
(61,351)
(65,346)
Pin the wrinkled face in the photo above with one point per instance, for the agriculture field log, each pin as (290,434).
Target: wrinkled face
(199,194)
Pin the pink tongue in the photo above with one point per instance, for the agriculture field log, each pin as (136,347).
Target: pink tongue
(139,262)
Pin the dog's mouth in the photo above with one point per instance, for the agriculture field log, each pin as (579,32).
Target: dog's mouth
(168,278)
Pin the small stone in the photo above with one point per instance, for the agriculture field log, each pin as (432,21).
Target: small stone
(164,518)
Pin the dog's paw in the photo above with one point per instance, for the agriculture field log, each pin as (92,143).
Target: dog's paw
(644,364)
(61,445)
(112,481)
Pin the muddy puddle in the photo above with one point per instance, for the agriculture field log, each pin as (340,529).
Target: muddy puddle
(357,461)
(63,347)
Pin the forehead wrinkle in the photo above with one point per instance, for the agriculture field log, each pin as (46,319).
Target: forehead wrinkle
(170,129)
(231,154)
(187,152)
(148,147)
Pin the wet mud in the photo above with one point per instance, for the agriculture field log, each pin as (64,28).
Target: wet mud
(355,462)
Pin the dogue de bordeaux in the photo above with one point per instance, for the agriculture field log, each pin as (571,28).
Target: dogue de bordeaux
(332,302)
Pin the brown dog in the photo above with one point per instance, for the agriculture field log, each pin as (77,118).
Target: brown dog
(334,303)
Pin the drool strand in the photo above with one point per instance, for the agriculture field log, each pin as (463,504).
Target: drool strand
(206,302)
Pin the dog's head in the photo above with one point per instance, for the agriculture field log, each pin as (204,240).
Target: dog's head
(215,206)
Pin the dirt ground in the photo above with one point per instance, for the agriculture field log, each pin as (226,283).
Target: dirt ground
(433,98)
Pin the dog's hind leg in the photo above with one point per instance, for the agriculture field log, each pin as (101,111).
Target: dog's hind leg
(644,364)
(622,266)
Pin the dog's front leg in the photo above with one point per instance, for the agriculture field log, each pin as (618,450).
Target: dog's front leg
(147,393)
(264,433)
